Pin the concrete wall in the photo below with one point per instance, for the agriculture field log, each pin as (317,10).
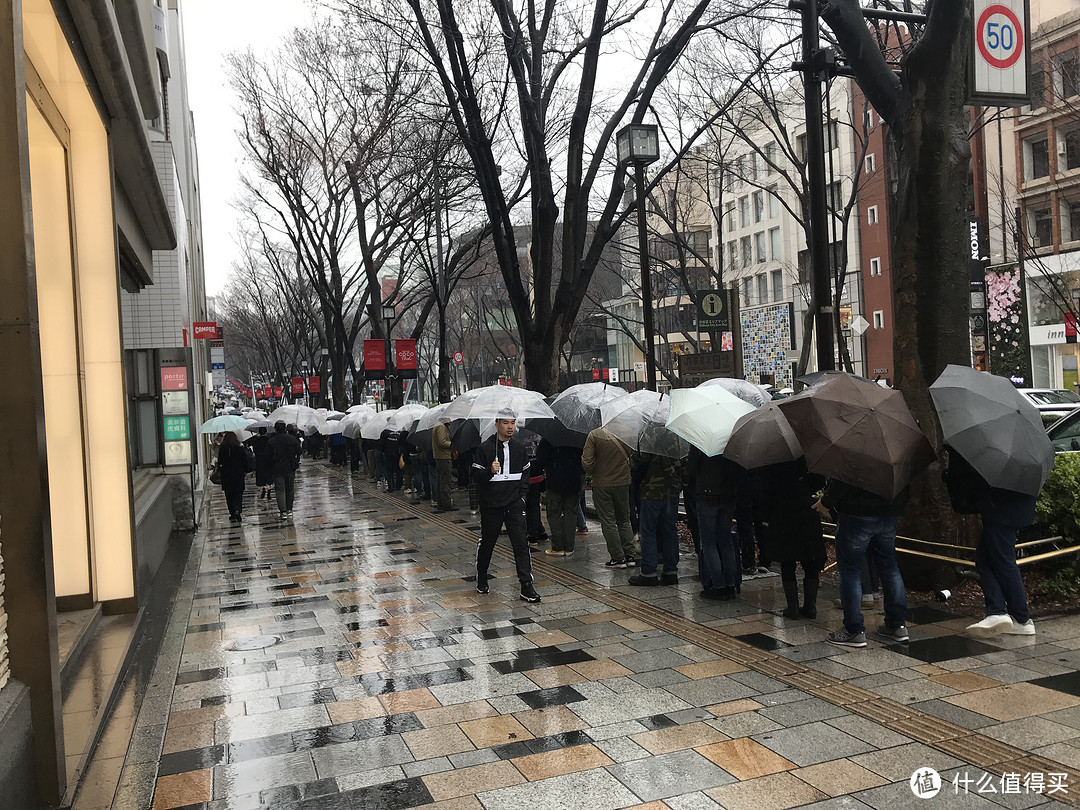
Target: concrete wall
(17,782)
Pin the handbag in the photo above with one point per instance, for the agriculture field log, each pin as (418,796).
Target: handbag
(215,476)
(401,462)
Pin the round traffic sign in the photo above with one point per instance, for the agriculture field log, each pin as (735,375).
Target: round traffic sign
(458,357)
(1001,41)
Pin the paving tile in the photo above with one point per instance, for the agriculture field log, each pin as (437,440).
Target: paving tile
(802,711)
(457,713)
(595,789)
(622,749)
(733,707)
(743,724)
(600,669)
(708,691)
(653,659)
(553,720)
(900,762)
(839,777)
(868,731)
(964,681)
(490,731)
(180,789)
(1013,701)
(363,755)
(262,774)
(473,780)
(744,759)
(1031,732)
(412,700)
(562,761)
(812,743)
(670,774)
(439,741)
(709,669)
(777,791)
(606,710)
(677,738)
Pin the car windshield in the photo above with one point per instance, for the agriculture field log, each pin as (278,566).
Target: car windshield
(1065,434)
(1054,397)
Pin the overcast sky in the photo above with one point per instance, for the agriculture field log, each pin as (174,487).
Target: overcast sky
(213,29)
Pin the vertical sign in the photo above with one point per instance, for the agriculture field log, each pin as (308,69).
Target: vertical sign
(405,358)
(375,359)
(314,385)
(1000,53)
(977,293)
(298,386)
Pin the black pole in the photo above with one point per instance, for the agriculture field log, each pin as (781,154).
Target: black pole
(646,281)
(820,250)
(391,394)
(444,361)
(1026,370)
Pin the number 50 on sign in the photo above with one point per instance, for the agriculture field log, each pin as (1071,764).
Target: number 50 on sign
(1000,54)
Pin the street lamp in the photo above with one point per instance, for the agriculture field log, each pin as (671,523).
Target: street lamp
(639,144)
(391,398)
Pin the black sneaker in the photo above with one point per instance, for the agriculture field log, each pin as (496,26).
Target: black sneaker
(641,579)
(630,562)
(481,586)
(528,593)
(619,563)
(669,578)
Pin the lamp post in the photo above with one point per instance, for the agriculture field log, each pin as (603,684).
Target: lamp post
(391,396)
(639,144)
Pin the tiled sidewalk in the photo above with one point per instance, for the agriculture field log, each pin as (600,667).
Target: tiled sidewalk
(344,660)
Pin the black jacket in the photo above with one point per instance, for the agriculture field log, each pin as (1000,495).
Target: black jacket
(284,453)
(230,464)
(512,485)
(846,499)
(562,467)
(714,478)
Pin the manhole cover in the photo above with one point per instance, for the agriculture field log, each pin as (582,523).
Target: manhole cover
(256,642)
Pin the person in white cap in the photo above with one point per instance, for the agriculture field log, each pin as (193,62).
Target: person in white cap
(501,472)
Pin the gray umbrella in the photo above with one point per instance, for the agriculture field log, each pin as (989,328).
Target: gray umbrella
(994,427)
(763,437)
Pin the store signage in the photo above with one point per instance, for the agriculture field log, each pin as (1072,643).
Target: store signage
(176,428)
(278,391)
(174,403)
(205,330)
(174,378)
(1070,327)
(596,374)
(374,359)
(613,375)
(405,358)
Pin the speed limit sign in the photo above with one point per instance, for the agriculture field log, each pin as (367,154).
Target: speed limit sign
(1000,59)
(458,357)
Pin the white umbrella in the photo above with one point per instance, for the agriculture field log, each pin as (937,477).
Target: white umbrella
(420,435)
(221,424)
(484,404)
(404,416)
(360,409)
(373,428)
(299,415)
(639,421)
(578,407)
(746,391)
(330,428)
(705,417)
(352,423)
(333,416)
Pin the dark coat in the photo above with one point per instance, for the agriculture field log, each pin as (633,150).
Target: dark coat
(501,493)
(1007,508)
(284,453)
(264,474)
(789,492)
(562,468)
(231,467)
(715,479)
(846,499)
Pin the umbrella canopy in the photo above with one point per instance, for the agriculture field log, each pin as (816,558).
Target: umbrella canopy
(705,417)
(351,424)
(299,415)
(994,427)
(406,415)
(220,424)
(762,437)
(746,391)
(815,378)
(333,416)
(639,419)
(420,435)
(484,404)
(578,407)
(373,428)
(260,423)
(329,428)
(360,409)
(858,432)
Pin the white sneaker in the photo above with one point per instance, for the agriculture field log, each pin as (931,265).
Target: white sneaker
(991,626)
(1017,629)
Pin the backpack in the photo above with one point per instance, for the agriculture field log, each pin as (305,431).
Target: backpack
(249,459)
(967,489)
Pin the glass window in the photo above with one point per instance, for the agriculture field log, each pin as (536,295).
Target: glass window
(777,285)
(1069,73)
(1073,207)
(747,251)
(1037,87)
(1066,435)
(733,254)
(759,247)
(729,215)
(744,211)
(770,157)
(879,319)
(746,292)
(774,202)
(1036,157)
(869,119)
(871,215)
(1040,224)
(875,267)
(775,250)
(800,147)
(1072,148)
(835,196)
(763,288)
(832,136)
(759,206)
(870,165)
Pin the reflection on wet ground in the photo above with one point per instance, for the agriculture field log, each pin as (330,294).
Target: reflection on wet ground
(343,659)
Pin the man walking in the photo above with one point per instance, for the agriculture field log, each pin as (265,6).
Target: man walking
(607,461)
(284,459)
(440,450)
(866,523)
(501,472)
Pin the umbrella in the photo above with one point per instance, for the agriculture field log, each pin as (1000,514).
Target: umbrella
(420,435)
(815,378)
(578,407)
(746,391)
(334,416)
(484,404)
(373,428)
(299,415)
(331,427)
(360,409)
(994,427)
(260,423)
(705,417)
(638,420)
(220,424)
(406,415)
(763,437)
(858,432)
(351,424)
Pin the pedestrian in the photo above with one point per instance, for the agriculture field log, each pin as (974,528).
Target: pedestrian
(285,458)
(563,479)
(355,454)
(418,464)
(264,478)
(337,449)
(231,467)
(534,526)
(501,471)
(440,450)
(661,480)
(388,445)
(607,461)
(794,536)
(866,524)
(582,526)
(1004,513)
(716,490)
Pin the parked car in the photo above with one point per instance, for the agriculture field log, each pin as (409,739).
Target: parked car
(1053,403)
(1065,433)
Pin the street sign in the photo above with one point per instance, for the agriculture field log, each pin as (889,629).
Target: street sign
(859,325)
(714,313)
(459,357)
(1001,59)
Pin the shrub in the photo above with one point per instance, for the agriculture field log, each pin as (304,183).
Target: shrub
(1058,509)
(1065,584)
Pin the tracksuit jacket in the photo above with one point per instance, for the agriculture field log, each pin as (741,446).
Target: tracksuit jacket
(510,485)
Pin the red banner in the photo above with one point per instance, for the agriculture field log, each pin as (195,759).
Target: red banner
(204,330)
(374,359)
(314,385)
(298,385)
(405,358)
(278,391)
(596,374)
(1070,327)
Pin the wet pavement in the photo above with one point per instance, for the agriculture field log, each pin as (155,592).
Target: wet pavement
(344,660)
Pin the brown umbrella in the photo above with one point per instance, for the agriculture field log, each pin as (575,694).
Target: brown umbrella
(763,437)
(860,433)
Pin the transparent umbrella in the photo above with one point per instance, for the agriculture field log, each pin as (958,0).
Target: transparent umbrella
(351,424)
(484,404)
(420,435)
(639,421)
(705,417)
(746,391)
(373,428)
(578,407)
(299,415)
(332,427)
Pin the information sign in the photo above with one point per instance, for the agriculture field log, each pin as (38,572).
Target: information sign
(1000,57)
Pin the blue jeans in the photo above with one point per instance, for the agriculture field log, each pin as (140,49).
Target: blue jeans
(995,561)
(658,528)
(581,524)
(717,548)
(857,536)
